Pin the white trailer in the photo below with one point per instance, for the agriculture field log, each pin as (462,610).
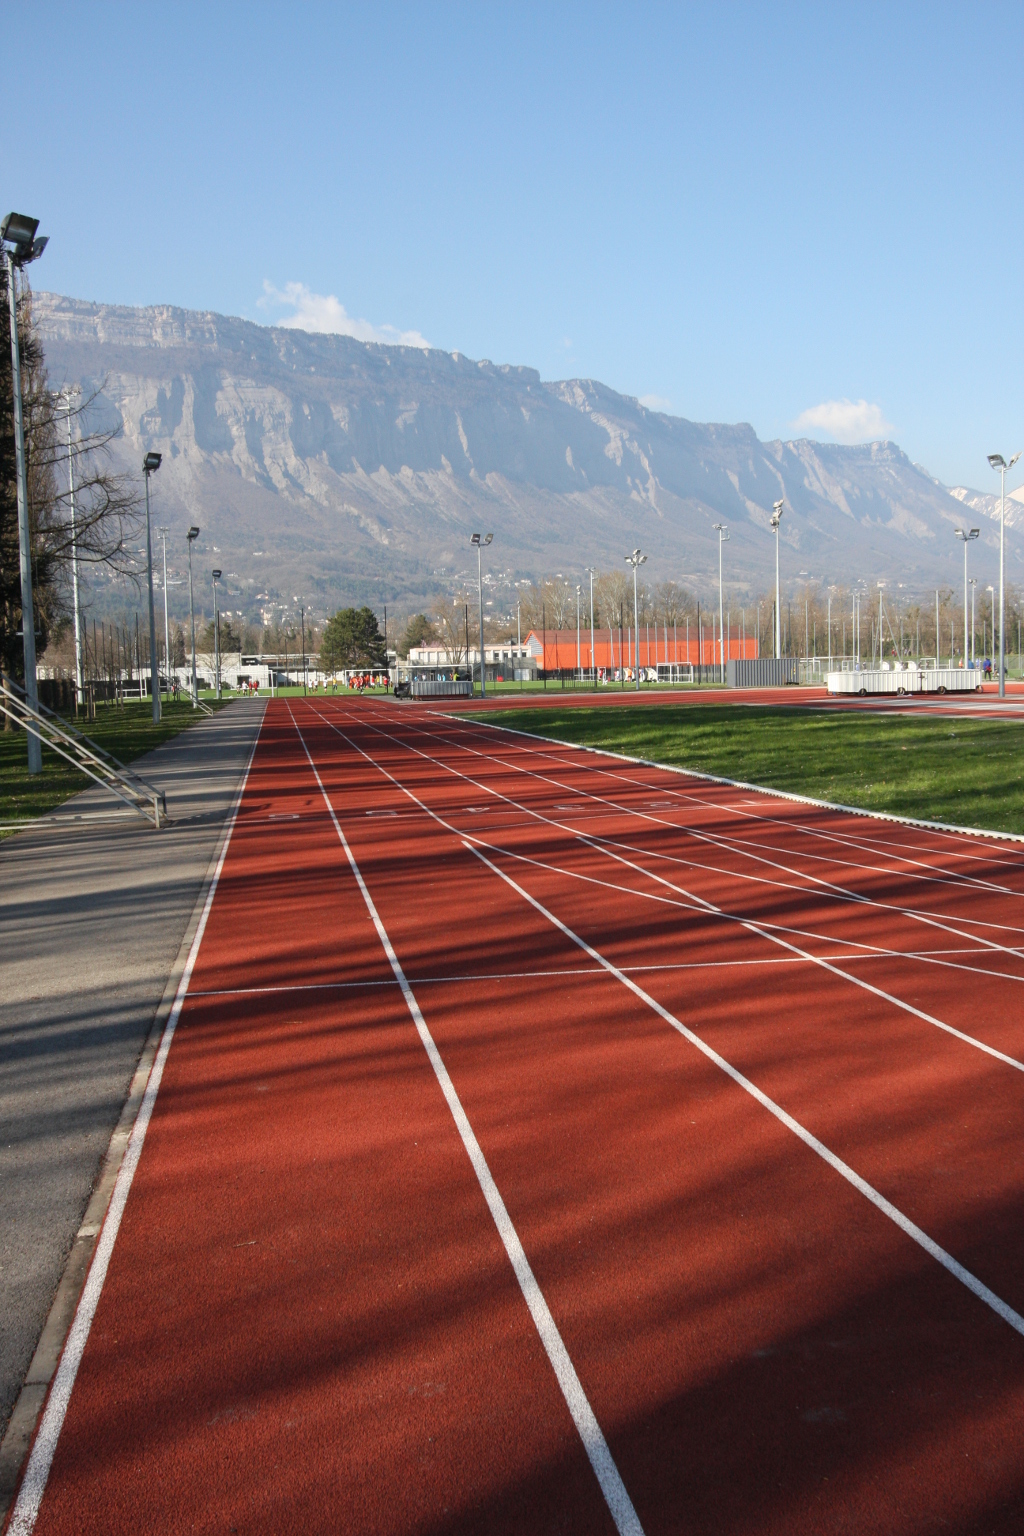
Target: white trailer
(906,679)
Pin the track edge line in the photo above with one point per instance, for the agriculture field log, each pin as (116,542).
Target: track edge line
(26,1415)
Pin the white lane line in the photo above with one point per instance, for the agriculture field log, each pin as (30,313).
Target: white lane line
(716,840)
(577,970)
(772,932)
(769,931)
(30,1495)
(607,1473)
(945,829)
(977,1287)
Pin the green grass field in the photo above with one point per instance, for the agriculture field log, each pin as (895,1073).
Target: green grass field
(968,772)
(127,732)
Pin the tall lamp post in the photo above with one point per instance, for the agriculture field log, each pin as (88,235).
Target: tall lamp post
(66,397)
(966,534)
(481,541)
(216,633)
(150,465)
(974,592)
(881,584)
(992,612)
(636,560)
(579,657)
(167,628)
(776,520)
(593,669)
(20,246)
(998,462)
(723,538)
(191,536)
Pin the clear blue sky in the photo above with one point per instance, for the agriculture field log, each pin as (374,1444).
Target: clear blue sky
(748,212)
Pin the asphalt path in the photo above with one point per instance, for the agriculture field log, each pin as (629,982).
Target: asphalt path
(576,1148)
(93,907)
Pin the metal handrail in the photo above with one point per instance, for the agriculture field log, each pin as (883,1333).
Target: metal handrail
(84,754)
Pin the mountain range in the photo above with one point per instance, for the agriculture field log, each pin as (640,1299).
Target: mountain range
(325,470)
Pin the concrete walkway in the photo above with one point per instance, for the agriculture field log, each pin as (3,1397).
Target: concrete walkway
(93,908)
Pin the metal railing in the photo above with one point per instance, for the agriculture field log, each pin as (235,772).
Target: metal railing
(83,753)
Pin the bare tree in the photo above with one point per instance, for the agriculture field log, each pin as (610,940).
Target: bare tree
(449,616)
(106,505)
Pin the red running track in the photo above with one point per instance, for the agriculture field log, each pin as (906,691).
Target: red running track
(718,1228)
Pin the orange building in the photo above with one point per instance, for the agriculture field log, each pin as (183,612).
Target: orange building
(659,646)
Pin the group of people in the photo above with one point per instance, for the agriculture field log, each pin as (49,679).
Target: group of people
(362,680)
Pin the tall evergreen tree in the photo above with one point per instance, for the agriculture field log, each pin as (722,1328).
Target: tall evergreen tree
(352,638)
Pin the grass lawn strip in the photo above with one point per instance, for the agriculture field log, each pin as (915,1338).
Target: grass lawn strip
(126,732)
(966,773)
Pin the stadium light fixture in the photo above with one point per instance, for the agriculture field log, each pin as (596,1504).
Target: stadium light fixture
(216,633)
(191,536)
(636,560)
(481,541)
(723,538)
(20,246)
(967,534)
(150,465)
(998,462)
(591,572)
(776,520)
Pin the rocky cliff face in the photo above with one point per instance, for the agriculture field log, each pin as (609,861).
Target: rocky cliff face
(330,469)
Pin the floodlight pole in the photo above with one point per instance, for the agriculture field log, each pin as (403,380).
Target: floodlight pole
(723,534)
(579,657)
(776,520)
(974,593)
(636,560)
(881,584)
(150,464)
(481,541)
(593,669)
(966,534)
(190,538)
(998,462)
(167,628)
(216,633)
(28,621)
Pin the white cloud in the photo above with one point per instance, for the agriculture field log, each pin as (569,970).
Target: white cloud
(844,421)
(655,403)
(323,312)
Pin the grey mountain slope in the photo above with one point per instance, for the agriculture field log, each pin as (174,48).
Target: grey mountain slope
(326,466)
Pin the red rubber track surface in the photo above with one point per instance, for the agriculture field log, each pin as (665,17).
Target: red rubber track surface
(309,1322)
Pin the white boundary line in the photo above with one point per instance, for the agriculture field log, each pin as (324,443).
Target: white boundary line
(607,1473)
(760,789)
(30,1494)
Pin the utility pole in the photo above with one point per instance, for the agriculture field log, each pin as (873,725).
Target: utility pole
(776,520)
(167,628)
(191,536)
(481,541)
(998,462)
(20,246)
(636,560)
(723,534)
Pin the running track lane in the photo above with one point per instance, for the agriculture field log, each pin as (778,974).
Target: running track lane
(309,1322)
(763,1350)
